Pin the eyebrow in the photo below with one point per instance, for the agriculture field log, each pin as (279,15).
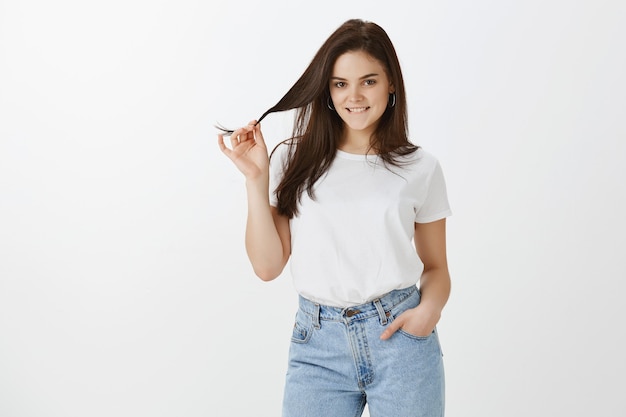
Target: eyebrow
(361,78)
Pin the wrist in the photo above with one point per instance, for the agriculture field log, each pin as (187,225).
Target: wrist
(258,182)
(430,308)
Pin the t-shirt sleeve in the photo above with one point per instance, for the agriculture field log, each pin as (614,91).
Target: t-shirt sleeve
(435,205)
(276,171)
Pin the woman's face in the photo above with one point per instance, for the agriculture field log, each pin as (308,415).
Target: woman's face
(359,89)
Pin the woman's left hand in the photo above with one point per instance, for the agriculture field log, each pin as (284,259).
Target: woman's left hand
(419,321)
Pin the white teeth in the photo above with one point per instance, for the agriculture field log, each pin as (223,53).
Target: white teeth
(357,109)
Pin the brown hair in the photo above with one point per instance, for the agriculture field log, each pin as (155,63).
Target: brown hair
(317,129)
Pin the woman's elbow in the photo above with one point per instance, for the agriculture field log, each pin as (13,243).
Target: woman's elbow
(267,274)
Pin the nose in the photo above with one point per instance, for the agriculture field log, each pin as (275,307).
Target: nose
(355,94)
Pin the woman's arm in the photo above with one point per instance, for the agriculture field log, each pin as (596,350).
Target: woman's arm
(267,232)
(430,242)
(268,239)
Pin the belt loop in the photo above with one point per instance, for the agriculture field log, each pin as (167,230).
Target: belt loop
(316,316)
(381,312)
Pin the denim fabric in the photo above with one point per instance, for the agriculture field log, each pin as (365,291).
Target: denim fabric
(337,363)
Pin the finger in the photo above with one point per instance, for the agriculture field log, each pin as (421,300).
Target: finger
(234,140)
(393,327)
(246,132)
(239,136)
(250,133)
(220,143)
(258,135)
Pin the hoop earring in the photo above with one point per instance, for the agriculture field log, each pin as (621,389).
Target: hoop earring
(392,100)
(329,104)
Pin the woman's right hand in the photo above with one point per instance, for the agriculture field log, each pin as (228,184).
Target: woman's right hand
(248,150)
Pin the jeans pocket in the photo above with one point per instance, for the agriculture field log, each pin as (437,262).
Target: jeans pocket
(424,342)
(415,337)
(302,328)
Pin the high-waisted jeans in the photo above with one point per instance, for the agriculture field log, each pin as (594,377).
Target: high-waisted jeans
(337,362)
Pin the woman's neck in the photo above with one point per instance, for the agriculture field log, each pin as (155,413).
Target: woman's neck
(357,144)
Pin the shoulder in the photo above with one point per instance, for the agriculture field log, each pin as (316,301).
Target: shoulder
(421,160)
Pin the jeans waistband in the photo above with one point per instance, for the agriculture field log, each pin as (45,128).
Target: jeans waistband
(380,306)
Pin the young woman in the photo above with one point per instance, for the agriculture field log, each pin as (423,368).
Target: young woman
(359,212)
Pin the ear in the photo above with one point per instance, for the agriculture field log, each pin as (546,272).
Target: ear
(392,89)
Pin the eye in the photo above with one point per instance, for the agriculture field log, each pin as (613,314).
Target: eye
(339,84)
(369,82)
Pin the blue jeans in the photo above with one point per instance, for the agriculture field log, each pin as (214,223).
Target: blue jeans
(337,363)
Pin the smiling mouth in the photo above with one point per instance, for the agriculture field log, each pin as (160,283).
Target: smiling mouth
(356,109)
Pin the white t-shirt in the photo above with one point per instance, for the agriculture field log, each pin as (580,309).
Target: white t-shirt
(354,241)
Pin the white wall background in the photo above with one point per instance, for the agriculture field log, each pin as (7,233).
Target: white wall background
(124,286)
